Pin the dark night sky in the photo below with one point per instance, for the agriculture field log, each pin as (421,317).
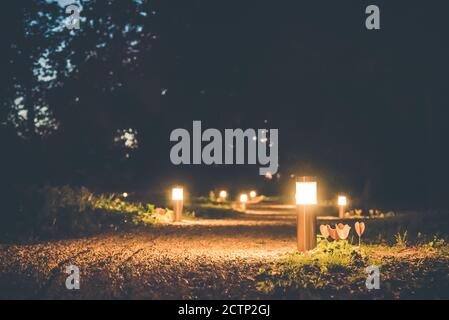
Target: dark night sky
(351,105)
(365,111)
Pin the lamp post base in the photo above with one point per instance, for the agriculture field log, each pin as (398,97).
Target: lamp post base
(178,206)
(341,212)
(305,229)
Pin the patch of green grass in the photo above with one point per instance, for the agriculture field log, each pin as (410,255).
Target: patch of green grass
(213,210)
(221,206)
(55,212)
(140,213)
(403,229)
(327,255)
(436,243)
(338,270)
(401,239)
(304,275)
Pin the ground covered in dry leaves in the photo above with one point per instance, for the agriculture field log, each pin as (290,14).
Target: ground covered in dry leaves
(202,258)
(195,259)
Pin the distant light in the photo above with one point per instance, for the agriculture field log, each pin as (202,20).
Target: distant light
(253,194)
(177,194)
(243,198)
(268,176)
(306,191)
(223,194)
(342,201)
(125,194)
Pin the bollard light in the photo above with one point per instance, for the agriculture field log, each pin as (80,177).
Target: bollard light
(178,202)
(342,202)
(243,201)
(177,194)
(252,194)
(223,194)
(306,195)
(306,191)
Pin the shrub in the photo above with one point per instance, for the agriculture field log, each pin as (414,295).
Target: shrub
(67,211)
(325,266)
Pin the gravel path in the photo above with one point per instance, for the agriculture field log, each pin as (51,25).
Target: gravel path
(202,258)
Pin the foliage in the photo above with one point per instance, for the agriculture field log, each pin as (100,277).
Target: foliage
(141,213)
(213,210)
(401,239)
(337,269)
(311,271)
(436,243)
(47,57)
(327,255)
(68,211)
(420,226)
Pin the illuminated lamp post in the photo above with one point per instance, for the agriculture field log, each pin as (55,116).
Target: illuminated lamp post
(252,194)
(223,195)
(342,203)
(306,195)
(178,202)
(243,201)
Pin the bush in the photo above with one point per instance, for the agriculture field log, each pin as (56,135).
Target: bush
(304,275)
(67,211)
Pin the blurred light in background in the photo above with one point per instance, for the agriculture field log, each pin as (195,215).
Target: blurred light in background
(342,201)
(223,194)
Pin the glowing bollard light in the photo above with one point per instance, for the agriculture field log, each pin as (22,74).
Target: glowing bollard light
(223,195)
(243,201)
(252,194)
(306,195)
(178,200)
(342,203)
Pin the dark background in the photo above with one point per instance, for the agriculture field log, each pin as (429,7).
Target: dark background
(364,111)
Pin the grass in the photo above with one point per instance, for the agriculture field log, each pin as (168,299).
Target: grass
(410,250)
(66,211)
(337,269)
(204,208)
(60,212)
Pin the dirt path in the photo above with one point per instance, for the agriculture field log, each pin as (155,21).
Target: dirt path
(203,258)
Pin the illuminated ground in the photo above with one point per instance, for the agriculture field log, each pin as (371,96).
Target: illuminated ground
(204,258)
(221,258)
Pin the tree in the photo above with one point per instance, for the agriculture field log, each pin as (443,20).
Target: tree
(60,83)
